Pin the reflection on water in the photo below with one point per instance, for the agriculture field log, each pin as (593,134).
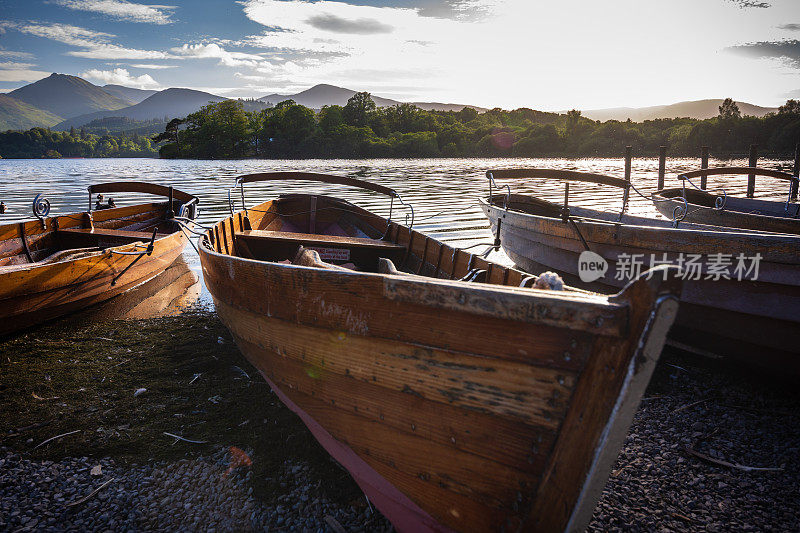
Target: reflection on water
(444,192)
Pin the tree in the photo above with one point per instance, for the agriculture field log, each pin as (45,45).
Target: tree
(573,118)
(790,107)
(729,109)
(358,109)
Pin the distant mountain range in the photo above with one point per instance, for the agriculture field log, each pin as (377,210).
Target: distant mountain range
(701,109)
(324,94)
(67,96)
(17,115)
(169,103)
(128,94)
(61,101)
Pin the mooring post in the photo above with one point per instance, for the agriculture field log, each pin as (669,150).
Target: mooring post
(751,178)
(703,164)
(628,163)
(796,170)
(662,166)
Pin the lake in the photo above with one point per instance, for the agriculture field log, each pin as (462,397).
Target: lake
(444,192)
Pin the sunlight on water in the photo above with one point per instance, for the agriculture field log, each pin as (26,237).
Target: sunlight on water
(444,192)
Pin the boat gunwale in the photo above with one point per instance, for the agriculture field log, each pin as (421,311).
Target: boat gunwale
(682,229)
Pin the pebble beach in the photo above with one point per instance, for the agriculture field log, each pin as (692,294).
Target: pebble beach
(159,424)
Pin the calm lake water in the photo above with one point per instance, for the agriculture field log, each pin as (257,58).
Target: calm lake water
(444,192)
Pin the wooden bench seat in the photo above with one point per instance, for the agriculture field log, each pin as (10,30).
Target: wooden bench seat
(317,240)
(119,233)
(265,245)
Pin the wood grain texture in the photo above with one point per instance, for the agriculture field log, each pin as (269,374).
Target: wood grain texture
(738,318)
(31,293)
(456,393)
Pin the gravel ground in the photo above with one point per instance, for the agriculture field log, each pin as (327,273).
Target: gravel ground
(199,494)
(258,468)
(729,416)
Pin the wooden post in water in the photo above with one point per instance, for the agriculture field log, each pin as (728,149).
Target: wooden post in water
(795,170)
(662,166)
(751,178)
(627,163)
(703,164)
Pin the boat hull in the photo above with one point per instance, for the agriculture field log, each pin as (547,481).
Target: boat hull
(35,293)
(760,215)
(454,406)
(750,320)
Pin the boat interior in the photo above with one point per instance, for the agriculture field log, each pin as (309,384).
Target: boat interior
(85,234)
(327,232)
(753,206)
(531,205)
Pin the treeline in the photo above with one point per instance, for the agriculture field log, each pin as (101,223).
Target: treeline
(40,142)
(225,130)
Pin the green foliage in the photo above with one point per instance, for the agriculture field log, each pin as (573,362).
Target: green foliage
(358,109)
(359,129)
(729,109)
(40,142)
(18,115)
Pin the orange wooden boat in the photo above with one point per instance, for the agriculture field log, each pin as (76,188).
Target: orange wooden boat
(456,396)
(55,265)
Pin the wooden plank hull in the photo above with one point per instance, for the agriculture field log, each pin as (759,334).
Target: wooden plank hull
(454,405)
(761,215)
(751,320)
(33,293)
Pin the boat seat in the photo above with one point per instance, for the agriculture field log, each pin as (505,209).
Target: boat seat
(316,240)
(116,233)
(104,238)
(310,258)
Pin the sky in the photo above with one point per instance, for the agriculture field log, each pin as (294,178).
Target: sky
(541,54)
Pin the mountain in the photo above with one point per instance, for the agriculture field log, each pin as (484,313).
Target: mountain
(67,96)
(18,115)
(324,94)
(700,109)
(128,94)
(438,106)
(170,103)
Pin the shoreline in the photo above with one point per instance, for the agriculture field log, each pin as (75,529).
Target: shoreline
(69,376)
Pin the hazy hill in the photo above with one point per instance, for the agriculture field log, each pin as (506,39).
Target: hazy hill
(170,103)
(66,96)
(17,115)
(324,94)
(128,94)
(700,109)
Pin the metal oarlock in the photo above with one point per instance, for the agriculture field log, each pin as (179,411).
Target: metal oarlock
(493,182)
(139,254)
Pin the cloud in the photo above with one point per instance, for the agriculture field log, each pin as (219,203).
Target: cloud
(788,51)
(790,27)
(122,10)
(153,67)
(15,72)
(15,54)
(751,3)
(213,50)
(120,76)
(456,9)
(94,44)
(335,24)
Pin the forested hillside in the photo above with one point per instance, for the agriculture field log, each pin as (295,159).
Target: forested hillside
(360,129)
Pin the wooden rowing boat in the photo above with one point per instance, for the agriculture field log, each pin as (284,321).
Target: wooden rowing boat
(702,207)
(456,405)
(55,265)
(755,320)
